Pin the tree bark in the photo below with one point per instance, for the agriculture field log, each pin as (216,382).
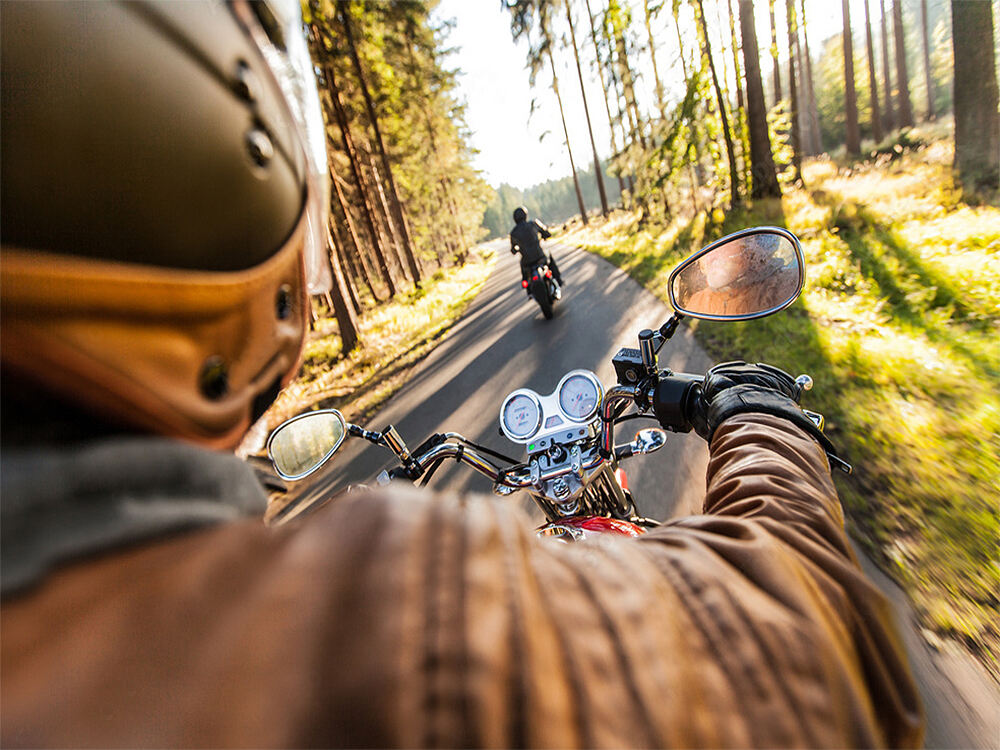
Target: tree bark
(815,137)
(793,35)
(740,102)
(347,321)
(397,209)
(694,168)
(890,118)
(661,103)
(734,184)
(764,179)
(872,80)
(387,225)
(902,79)
(977,124)
(363,262)
(352,155)
(345,265)
(586,111)
(853,133)
(569,150)
(604,88)
(927,60)
(774,54)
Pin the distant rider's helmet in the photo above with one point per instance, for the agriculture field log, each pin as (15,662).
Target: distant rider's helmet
(164,205)
(520,214)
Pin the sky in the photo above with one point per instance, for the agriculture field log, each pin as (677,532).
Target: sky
(524,149)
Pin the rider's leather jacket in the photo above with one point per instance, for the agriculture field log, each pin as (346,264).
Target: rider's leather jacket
(404,618)
(524,238)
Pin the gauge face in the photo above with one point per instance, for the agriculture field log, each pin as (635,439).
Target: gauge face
(578,398)
(521,416)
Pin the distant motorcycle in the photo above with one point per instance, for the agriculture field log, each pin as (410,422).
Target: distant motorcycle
(572,470)
(542,285)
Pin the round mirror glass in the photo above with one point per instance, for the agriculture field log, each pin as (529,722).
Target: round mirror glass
(747,275)
(302,444)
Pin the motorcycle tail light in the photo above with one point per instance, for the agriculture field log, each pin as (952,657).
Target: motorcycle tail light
(534,278)
(548,274)
(524,283)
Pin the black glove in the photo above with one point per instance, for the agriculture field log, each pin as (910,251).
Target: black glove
(738,388)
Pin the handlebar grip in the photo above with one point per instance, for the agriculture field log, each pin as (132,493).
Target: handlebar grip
(674,398)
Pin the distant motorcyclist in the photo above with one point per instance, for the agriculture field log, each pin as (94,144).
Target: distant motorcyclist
(524,239)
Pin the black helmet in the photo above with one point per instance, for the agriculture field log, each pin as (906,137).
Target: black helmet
(520,214)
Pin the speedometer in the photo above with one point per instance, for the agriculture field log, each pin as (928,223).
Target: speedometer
(579,396)
(521,415)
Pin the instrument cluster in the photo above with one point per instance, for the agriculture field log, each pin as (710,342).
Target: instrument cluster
(561,416)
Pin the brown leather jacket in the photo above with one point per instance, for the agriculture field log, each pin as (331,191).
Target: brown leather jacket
(408,619)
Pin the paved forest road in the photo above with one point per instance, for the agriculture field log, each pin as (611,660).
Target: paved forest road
(503,343)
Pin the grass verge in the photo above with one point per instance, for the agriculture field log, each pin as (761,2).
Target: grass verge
(899,326)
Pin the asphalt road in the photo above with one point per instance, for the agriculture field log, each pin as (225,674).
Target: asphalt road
(503,343)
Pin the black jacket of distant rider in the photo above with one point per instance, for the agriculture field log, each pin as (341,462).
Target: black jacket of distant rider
(524,239)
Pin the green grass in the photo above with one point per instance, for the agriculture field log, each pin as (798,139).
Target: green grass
(899,326)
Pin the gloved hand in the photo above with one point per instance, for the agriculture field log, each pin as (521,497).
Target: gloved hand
(738,388)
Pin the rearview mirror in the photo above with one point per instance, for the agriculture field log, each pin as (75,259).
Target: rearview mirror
(746,275)
(304,443)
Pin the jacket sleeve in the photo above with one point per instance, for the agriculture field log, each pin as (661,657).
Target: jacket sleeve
(513,244)
(773,515)
(543,230)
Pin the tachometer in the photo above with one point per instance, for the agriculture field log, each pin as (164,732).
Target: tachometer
(521,415)
(579,396)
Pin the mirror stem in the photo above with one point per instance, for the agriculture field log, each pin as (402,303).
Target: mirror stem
(371,437)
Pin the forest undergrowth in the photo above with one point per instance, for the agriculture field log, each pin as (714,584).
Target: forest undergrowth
(899,325)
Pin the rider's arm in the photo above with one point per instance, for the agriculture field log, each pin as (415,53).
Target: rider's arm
(513,245)
(543,230)
(775,526)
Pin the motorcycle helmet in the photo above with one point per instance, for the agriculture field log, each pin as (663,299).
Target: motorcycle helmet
(520,214)
(163,206)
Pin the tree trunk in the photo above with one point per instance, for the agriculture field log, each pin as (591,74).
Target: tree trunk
(604,88)
(793,35)
(736,58)
(347,321)
(569,150)
(764,179)
(890,118)
(694,165)
(853,133)
(363,262)
(902,79)
(345,265)
(927,60)
(774,54)
(815,138)
(977,125)
(397,209)
(586,111)
(734,184)
(391,234)
(872,80)
(661,103)
(352,155)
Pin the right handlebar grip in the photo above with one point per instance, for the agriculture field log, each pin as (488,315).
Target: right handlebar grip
(674,399)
